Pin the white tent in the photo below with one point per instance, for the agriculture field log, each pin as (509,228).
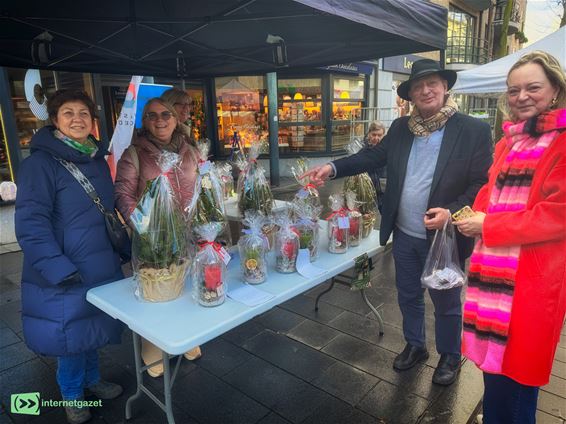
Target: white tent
(490,78)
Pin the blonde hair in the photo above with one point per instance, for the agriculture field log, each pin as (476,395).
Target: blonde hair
(375,126)
(176,95)
(180,128)
(553,71)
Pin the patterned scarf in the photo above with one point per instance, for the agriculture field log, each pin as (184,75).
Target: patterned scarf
(88,147)
(491,279)
(422,127)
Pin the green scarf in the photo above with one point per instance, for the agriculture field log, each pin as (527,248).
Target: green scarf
(88,147)
(423,127)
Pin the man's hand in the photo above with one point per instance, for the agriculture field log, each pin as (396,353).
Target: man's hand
(435,218)
(471,227)
(318,175)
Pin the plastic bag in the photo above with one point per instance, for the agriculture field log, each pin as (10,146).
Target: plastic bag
(226,178)
(308,192)
(253,248)
(159,243)
(209,267)
(286,246)
(307,228)
(355,218)
(362,185)
(338,225)
(255,191)
(442,270)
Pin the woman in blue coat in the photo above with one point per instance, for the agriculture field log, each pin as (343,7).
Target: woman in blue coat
(66,249)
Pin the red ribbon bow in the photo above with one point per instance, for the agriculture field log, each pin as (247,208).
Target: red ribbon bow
(215,245)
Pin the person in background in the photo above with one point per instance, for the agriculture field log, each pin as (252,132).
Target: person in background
(182,103)
(516,296)
(437,160)
(376,132)
(67,250)
(161,131)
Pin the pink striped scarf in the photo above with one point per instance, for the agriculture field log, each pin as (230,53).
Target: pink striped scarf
(491,279)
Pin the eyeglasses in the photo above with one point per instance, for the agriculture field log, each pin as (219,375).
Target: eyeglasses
(183,105)
(153,116)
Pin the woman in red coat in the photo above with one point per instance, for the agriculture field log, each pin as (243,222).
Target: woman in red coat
(161,131)
(516,297)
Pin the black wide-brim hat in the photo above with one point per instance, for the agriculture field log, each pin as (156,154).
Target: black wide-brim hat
(422,68)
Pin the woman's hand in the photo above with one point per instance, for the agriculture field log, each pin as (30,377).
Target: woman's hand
(319,174)
(471,227)
(435,218)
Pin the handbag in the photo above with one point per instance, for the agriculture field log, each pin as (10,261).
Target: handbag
(116,228)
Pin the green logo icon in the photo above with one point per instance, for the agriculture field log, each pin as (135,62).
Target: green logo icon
(25,403)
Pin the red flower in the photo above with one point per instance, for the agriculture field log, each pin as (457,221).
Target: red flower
(212,276)
(289,248)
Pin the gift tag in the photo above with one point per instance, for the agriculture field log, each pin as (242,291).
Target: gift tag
(220,290)
(206,183)
(204,168)
(343,222)
(302,194)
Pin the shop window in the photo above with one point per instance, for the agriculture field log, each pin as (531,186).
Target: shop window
(301,127)
(5,165)
(348,99)
(241,105)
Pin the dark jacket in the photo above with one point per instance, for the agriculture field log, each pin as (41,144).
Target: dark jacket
(61,232)
(461,170)
(375,176)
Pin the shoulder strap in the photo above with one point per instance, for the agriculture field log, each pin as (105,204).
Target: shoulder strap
(83,181)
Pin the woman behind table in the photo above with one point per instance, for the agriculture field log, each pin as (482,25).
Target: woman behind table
(376,132)
(66,249)
(161,132)
(181,101)
(516,299)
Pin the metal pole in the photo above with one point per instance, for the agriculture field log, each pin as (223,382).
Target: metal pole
(99,100)
(273,128)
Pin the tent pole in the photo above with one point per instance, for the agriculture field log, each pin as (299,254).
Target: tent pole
(273,128)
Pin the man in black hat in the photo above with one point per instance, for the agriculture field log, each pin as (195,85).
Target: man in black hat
(437,159)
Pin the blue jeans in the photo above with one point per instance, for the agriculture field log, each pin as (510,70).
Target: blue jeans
(410,255)
(75,372)
(507,402)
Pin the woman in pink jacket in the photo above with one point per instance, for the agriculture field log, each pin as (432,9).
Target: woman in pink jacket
(161,131)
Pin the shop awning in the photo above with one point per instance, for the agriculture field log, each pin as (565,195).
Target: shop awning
(216,37)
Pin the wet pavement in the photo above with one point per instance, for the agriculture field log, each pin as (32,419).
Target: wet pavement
(288,365)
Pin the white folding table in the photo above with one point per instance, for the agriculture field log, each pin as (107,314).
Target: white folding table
(180,325)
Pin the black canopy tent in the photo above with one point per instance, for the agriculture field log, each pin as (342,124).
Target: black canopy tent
(216,37)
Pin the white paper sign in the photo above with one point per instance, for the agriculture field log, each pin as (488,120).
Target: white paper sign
(249,295)
(305,267)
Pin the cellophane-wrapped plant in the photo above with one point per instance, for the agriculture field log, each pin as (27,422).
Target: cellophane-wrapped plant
(207,203)
(338,225)
(226,179)
(362,185)
(308,193)
(286,246)
(255,191)
(209,269)
(307,228)
(253,247)
(355,218)
(159,242)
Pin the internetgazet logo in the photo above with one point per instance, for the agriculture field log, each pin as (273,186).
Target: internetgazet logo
(25,403)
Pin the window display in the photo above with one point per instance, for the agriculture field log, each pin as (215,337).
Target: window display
(5,165)
(348,99)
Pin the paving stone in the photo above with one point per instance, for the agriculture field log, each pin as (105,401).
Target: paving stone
(210,400)
(551,404)
(242,333)
(544,418)
(560,354)
(285,394)
(273,418)
(11,263)
(304,306)
(346,383)
(559,369)
(279,320)
(8,337)
(458,402)
(556,386)
(313,334)
(5,419)
(58,415)
(289,354)
(393,404)
(15,354)
(220,357)
(11,314)
(335,411)
(369,358)
(32,376)
(344,298)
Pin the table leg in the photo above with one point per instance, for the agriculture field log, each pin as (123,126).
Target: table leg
(323,293)
(167,388)
(375,311)
(139,376)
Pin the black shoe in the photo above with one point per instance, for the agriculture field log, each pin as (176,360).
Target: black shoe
(447,369)
(410,356)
